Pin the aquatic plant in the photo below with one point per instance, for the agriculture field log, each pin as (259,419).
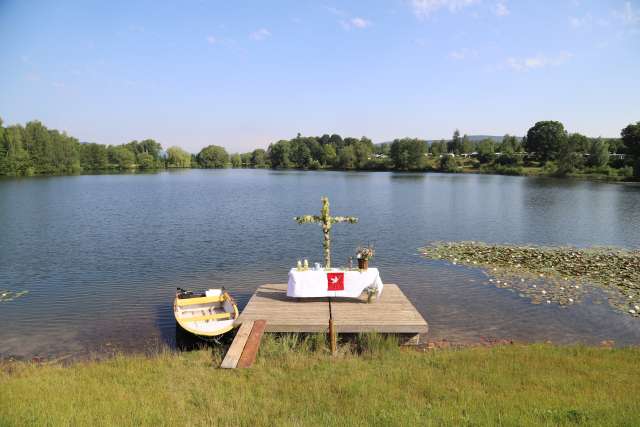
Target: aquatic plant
(552,274)
(7,295)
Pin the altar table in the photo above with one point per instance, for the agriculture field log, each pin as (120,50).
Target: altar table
(332,283)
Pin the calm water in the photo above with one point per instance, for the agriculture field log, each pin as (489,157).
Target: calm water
(101,255)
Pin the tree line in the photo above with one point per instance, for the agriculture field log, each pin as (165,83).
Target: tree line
(557,150)
(546,146)
(33,149)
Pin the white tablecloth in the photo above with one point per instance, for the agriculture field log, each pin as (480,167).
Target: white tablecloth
(314,284)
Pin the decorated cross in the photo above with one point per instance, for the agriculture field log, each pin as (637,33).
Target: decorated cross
(326,221)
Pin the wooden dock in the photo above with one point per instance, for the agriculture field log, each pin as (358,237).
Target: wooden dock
(392,313)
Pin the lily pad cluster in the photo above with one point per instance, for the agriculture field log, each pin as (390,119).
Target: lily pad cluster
(560,275)
(7,295)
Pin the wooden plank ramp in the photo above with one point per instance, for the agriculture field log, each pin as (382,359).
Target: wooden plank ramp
(244,348)
(253,343)
(392,313)
(237,346)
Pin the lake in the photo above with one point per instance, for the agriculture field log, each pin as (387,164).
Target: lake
(101,255)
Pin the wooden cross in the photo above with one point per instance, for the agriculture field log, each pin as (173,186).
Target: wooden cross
(326,221)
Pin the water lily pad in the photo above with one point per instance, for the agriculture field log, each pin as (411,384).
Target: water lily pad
(561,275)
(7,295)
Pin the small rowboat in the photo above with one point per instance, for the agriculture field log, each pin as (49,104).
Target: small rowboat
(206,314)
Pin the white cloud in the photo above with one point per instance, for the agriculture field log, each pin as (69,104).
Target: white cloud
(576,22)
(211,40)
(423,8)
(357,22)
(628,15)
(586,22)
(462,54)
(260,34)
(538,61)
(501,9)
(583,22)
(626,21)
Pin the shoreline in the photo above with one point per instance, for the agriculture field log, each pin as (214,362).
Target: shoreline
(111,351)
(464,171)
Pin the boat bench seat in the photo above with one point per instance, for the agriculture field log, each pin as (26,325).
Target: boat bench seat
(181,302)
(217,316)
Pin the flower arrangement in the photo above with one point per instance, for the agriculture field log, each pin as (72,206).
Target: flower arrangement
(365,252)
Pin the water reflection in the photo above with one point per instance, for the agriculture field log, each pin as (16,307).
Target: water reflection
(408,176)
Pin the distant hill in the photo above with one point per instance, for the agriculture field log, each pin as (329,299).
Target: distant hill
(475,138)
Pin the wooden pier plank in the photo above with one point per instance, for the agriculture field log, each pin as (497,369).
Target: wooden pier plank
(253,344)
(237,346)
(284,314)
(391,313)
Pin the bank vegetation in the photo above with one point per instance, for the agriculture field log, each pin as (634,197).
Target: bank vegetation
(296,382)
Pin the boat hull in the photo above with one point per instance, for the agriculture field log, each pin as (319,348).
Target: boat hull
(206,315)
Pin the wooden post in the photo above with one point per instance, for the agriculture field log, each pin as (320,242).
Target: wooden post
(332,338)
(333,341)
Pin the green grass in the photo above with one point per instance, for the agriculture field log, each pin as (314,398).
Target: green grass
(371,382)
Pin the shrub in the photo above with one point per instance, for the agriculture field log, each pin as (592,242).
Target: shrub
(626,172)
(618,163)
(314,164)
(486,157)
(448,164)
(508,160)
(502,170)
(550,167)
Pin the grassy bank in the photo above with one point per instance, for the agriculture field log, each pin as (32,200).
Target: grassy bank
(297,383)
(605,173)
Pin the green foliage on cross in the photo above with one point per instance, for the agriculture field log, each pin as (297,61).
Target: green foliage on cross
(326,221)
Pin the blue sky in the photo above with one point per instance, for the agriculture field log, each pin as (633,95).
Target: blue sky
(243,74)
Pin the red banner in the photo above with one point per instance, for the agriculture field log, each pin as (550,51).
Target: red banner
(335,281)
